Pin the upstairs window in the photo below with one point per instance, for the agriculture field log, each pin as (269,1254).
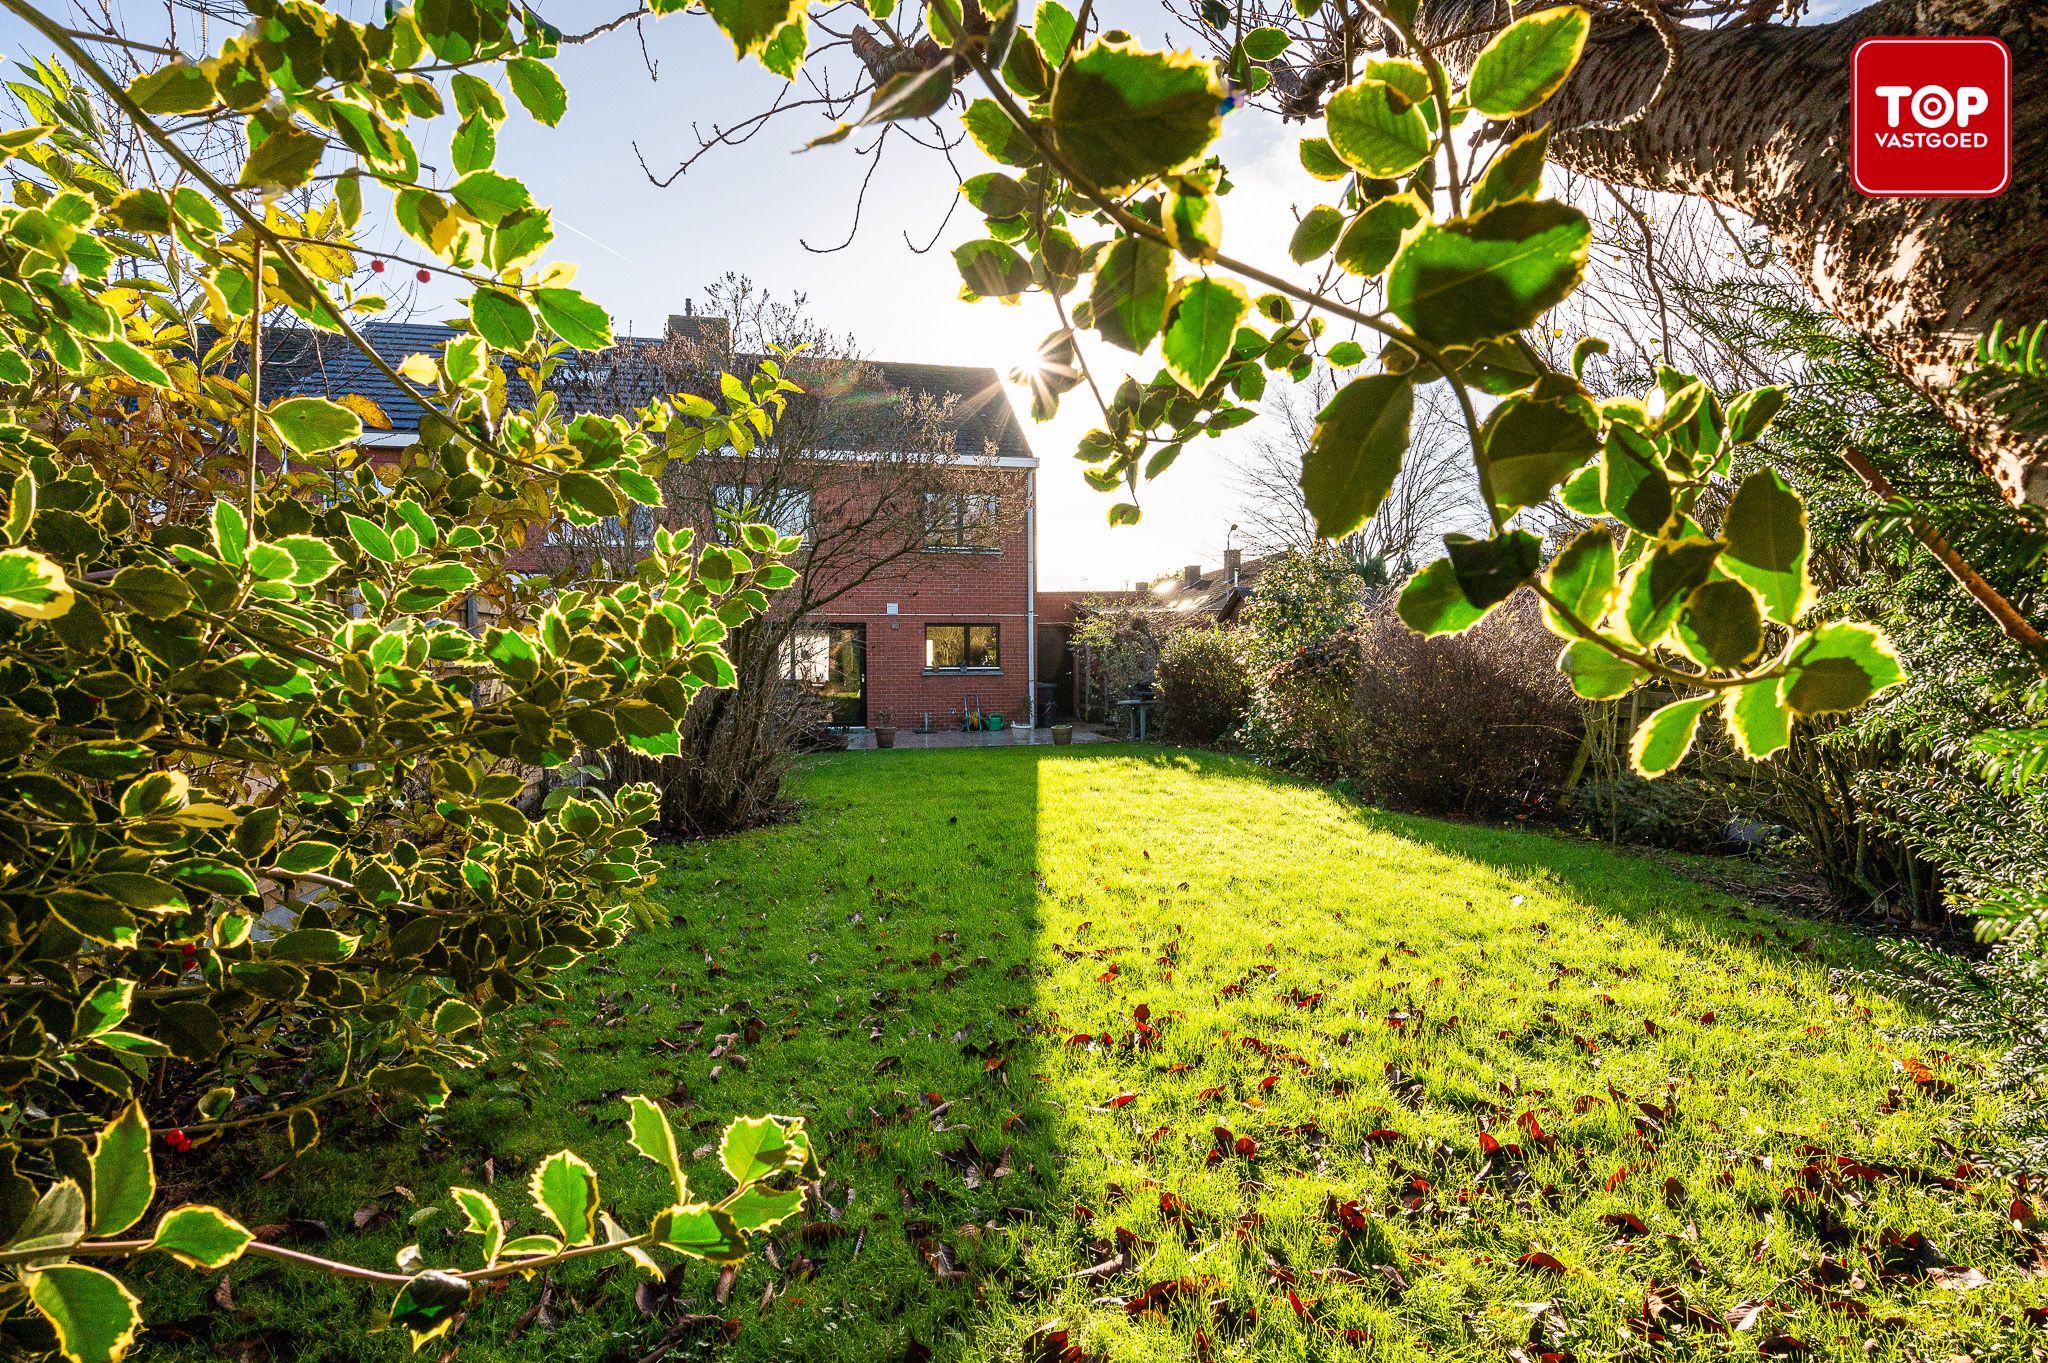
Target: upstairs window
(634,534)
(961,522)
(787,509)
(961,648)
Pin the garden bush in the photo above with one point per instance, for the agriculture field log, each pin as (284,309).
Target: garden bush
(1473,723)
(1204,686)
(1454,724)
(1687,811)
(1301,714)
(270,831)
(1300,620)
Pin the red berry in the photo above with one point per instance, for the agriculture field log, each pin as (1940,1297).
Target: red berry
(424,277)
(177,1139)
(376,267)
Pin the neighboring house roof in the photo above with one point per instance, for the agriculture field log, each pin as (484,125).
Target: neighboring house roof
(1067,608)
(302,362)
(1214,592)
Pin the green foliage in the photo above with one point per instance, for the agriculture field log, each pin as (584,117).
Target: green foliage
(1201,322)
(1469,280)
(266,806)
(1121,114)
(96,1318)
(1913,802)
(2012,373)
(1377,130)
(1204,687)
(1305,598)
(1115,190)
(1354,454)
(1374,236)
(1525,63)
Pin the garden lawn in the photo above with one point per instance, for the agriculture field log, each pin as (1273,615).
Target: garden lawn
(1199,1062)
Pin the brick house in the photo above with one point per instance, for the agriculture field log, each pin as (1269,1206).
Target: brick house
(1083,687)
(945,627)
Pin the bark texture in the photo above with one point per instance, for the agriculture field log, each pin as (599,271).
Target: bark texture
(1757,118)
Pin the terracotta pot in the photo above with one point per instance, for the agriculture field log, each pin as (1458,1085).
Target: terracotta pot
(885,735)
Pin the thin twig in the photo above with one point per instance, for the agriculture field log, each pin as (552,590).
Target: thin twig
(255,385)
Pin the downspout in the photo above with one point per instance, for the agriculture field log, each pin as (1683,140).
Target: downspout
(1031,596)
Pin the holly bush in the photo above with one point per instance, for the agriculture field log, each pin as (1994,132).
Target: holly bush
(1107,199)
(92,1316)
(281,723)
(267,800)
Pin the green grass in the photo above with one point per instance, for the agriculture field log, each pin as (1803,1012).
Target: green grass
(924,950)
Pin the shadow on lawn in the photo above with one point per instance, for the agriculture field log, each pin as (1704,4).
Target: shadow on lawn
(868,965)
(924,948)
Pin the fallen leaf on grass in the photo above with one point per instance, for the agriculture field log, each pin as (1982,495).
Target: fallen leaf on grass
(1125,1259)
(1541,1262)
(1162,1294)
(1744,1315)
(1051,1343)
(1960,1279)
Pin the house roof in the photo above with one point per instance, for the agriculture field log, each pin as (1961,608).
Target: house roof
(1067,607)
(1216,592)
(982,414)
(303,362)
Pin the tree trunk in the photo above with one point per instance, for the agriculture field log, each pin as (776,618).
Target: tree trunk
(1757,118)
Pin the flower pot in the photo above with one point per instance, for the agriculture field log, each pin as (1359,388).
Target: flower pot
(885,735)
(1062,734)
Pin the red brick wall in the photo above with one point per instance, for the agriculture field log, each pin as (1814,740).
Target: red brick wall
(948,589)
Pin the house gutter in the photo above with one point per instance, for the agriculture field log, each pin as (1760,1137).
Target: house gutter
(1031,595)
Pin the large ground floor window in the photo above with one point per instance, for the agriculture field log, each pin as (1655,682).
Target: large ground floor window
(830,662)
(962,648)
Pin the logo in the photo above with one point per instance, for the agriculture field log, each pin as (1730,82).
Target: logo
(1931,118)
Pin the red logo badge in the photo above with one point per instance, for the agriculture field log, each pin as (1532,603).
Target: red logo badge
(1931,118)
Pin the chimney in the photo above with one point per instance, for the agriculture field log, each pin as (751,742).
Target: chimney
(1191,575)
(713,333)
(1233,560)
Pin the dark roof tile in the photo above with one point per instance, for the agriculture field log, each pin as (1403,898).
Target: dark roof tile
(309,363)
